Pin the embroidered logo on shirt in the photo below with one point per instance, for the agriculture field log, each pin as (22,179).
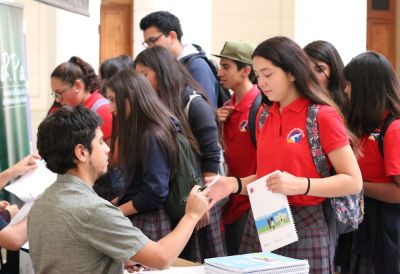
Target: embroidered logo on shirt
(243,126)
(295,135)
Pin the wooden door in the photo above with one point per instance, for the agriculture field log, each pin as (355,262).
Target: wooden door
(115,28)
(381,28)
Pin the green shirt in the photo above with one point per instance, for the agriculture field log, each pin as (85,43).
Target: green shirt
(72,230)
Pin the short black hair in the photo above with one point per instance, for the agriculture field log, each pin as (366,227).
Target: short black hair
(62,131)
(252,74)
(164,21)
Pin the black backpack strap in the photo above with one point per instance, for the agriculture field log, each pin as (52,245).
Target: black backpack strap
(388,121)
(253,117)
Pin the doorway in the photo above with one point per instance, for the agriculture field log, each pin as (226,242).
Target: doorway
(381,28)
(116,28)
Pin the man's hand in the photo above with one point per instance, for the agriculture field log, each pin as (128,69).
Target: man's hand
(223,113)
(197,203)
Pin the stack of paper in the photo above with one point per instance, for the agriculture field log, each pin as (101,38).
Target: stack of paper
(261,263)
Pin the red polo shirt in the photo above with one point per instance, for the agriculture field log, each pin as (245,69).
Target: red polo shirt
(103,111)
(240,152)
(373,167)
(283,143)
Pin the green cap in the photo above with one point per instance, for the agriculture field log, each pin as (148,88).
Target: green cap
(238,51)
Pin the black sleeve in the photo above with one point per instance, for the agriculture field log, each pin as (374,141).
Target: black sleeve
(204,128)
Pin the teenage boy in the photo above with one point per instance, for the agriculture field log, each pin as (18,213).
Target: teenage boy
(236,74)
(70,228)
(162,28)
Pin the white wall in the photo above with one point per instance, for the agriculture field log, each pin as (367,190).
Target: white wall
(341,22)
(78,35)
(252,21)
(194,15)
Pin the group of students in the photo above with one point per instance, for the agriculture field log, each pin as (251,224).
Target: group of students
(156,96)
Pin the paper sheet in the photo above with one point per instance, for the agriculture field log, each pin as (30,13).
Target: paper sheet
(33,183)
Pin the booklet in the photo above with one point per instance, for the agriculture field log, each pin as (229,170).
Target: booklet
(262,262)
(272,215)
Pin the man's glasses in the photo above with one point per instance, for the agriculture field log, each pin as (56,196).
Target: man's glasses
(151,41)
(59,95)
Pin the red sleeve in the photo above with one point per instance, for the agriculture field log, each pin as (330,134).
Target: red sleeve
(333,132)
(105,114)
(392,149)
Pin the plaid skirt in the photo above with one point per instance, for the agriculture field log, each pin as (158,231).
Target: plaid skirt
(314,244)
(155,225)
(204,243)
(360,262)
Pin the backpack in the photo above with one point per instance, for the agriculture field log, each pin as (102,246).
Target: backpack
(348,211)
(223,94)
(253,117)
(187,174)
(388,121)
(187,101)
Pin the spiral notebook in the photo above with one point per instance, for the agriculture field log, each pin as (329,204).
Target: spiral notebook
(272,215)
(260,263)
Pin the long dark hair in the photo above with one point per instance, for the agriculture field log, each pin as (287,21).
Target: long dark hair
(172,79)
(75,69)
(374,90)
(289,56)
(148,116)
(325,52)
(112,66)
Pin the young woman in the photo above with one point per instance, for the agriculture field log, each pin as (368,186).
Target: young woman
(73,83)
(285,77)
(374,92)
(112,66)
(148,154)
(174,85)
(327,66)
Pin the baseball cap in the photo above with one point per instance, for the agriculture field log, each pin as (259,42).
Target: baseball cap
(238,51)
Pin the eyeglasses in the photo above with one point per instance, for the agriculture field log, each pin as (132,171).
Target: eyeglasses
(59,95)
(151,41)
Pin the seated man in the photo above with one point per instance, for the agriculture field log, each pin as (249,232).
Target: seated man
(70,228)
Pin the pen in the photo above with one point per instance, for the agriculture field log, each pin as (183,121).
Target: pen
(216,178)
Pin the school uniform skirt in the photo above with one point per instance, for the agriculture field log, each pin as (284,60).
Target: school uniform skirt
(314,244)
(204,243)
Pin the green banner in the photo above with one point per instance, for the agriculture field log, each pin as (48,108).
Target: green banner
(14,111)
